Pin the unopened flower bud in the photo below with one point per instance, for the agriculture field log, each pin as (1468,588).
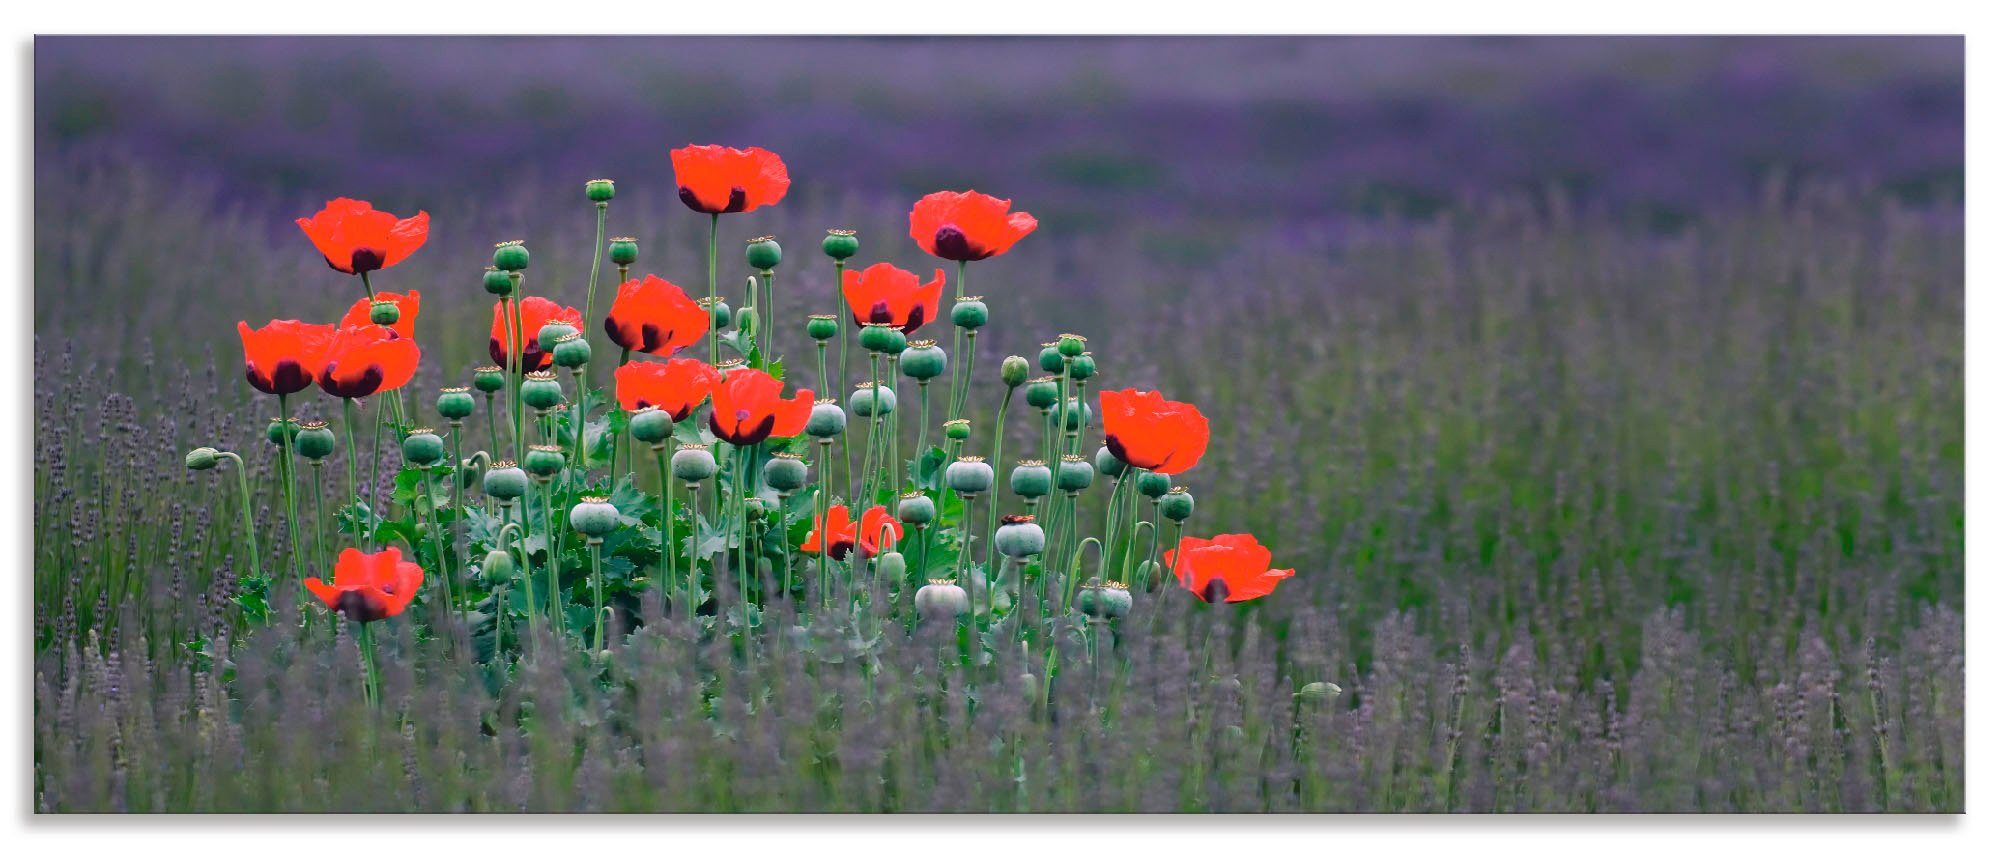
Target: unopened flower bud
(1014,371)
(840,244)
(203,459)
(827,420)
(1150,575)
(599,191)
(969,313)
(1177,504)
(497,568)
(890,568)
(763,253)
(454,402)
(786,472)
(652,426)
(594,517)
(510,256)
(489,378)
(423,447)
(746,320)
(922,361)
(692,464)
(1319,692)
(624,250)
(1031,479)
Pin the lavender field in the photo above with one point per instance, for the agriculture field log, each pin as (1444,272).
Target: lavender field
(1606,396)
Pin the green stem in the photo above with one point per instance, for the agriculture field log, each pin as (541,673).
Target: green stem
(596,261)
(555,562)
(436,532)
(372,684)
(666,523)
(694,570)
(249,526)
(319,514)
(714,221)
(999,447)
(353,459)
(840,313)
(288,470)
(597,593)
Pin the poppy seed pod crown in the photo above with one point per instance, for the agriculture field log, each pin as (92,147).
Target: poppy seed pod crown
(827,420)
(869,399)
(497,282)
(916,508)
(785,472)
(922,361)
(541,391)
(958,428)
(1177,504)
(455,402)
(624,250)
(970,475)
(314,441)
(423,447)
(510,256)
(505,481)
(489,378)
(763,253)
(594,517)
(969,313)
(1031,479)
(599,191)
(840,245)
(544,460)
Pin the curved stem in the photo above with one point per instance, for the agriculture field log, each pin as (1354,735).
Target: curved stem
(596,261)
(249,525)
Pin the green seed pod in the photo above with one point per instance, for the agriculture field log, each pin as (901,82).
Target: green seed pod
(1070,345)
(890,568)
(544,460)
(594,517)
(868,398)
(1104,600)
(1019,536)
(1014,371)
(505,481)
(553,332)
(455,402)
(1319,692)
(1051,359)
(652,426)
(822,327)
(827,420)
(423,447)
(746,320)
(719,313)
(1082,367)
(968,313)
(1031,479)
(384,312)
(693,464)
(572,351)
(786,472)
(624,251)
(970,475)
(958,428)
(510,256)
(1044,392)
(840,244)
(763,253)
(942,599)
(203,459)
(314,441)
(599,191)
(916,508)
(922,361)
(498,283)
(1176,505)
(541,391)
(1074,475)
(277,430)
(880,338)
(489,378)
(1079,415)
(1153,484)
(497,568)
(1108,463)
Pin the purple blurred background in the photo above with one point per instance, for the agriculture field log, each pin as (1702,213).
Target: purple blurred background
(1221,133)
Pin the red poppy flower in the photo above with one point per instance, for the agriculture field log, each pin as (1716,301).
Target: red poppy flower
(369,587)
(676,385)
(282,357)
(356,239)
(361,361)
(654,316)
(966,226)
(886,294)
(747,409)
(1145,430)
(1229,567)
(876,528)
(405,326)
(536,312)
(717,179)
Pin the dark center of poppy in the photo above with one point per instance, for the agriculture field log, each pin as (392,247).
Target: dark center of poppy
(360,606)
(365,259)
(1216,591)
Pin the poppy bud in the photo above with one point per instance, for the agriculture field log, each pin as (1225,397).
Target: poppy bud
(763,253)
(922,361)
(472,468)
(827,420)
(505,481)
(652,426)
(1153,484)
(203,459)
(279,429)
(958,428)
(1014,371)
(786,472)
(314,441)
(552,333)
(624,251)
(510,256)
(719,313)
(572,351)
(890,568)
(880,338)
(498,283)
(423,447)
(1031,479)
(599,191)
(1104,600)
(544,460)
(384,312)
(1150,575)
(970,475)
(1051,359)
(1079,415)
(746,320)
(594,517)
(1176,505)
(489,378)
(1319,692)
(916,508)
(1044,392)
(869,397)
(541,390)
(1107,463)
(840,244)
(822,327)
(1082,367)
(968,313)
(942,599)
(1073,475)
(1019,536)
(1070,345)
(693,464)
(497,568)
